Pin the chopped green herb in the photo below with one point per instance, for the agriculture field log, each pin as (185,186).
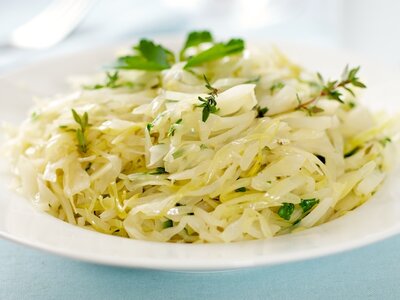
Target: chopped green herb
(254,80)
(308,204)
(150,57)
(34,116)
(241,190)
(261,111)
(209,104)
(314,110)
(276,86)
(158,171)
(202,147)
(298,100)
(178,153)
(194,39)
(286,210)
(351,104)
(297,221)
(219,50)
(172,129)
(149,126)
(351,152)
(385,141)
(88,166)
(111,82)
(112,79)
(63,126)
(83,121)
(167,224)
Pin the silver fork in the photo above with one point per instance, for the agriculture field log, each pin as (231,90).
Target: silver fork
(52,25)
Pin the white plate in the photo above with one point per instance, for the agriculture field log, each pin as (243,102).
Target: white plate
(379,218)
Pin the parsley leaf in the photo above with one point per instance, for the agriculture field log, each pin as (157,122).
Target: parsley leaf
(286,210)
(217,51)
(194,39)
(150,57)
(241,190)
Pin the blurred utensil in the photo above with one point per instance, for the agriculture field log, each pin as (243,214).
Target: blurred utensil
(52,25)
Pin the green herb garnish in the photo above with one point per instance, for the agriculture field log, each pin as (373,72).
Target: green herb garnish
(194,39)
(167,224)
(158,171)
(217,51)
(349,78)
(34,116)
(351,104)
(254,80)
(111,82)
(83,122)
(88,166)
(209,104)
(286,210)
(149,126)
(241,190)
(333,89)
(261,111)
(385,141)
(276,86)
(351,152)
(178,153)
(308,204)
(150,57)
(172,129)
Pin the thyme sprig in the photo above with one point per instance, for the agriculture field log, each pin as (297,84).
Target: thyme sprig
(83,122)
(112,82)
(333,89)
(209,104)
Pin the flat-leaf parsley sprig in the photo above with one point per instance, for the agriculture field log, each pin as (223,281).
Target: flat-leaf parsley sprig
(209,104)
(194,39)
(83,122)
(217,51)
(149,57)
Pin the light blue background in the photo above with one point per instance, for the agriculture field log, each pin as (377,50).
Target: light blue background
(372,272)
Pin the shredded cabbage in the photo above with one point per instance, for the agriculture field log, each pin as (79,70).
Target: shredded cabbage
(155,171)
